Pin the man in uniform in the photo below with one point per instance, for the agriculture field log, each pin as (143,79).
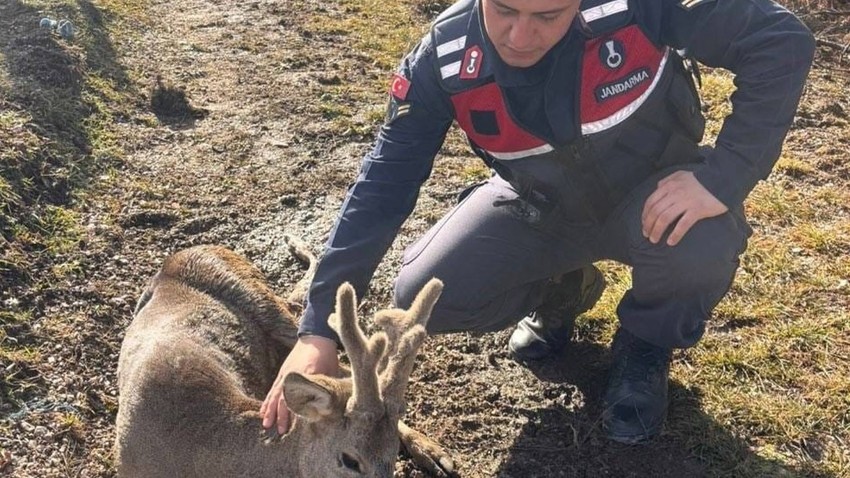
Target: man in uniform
(588,115)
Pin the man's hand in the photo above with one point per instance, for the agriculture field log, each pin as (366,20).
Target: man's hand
(679,197)
(311,354)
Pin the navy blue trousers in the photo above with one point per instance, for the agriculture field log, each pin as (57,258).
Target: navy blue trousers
(495,254)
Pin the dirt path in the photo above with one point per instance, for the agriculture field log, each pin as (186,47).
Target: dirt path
(254,155)
(237,151)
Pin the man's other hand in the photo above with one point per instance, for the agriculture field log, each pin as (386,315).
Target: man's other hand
(679,199)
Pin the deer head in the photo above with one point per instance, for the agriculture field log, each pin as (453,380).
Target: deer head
(351,424)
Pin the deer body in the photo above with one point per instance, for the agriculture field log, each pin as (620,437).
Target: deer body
(206,342)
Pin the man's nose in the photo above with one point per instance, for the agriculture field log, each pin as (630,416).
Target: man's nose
(521,35)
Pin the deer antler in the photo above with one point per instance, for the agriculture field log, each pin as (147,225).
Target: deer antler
(364,354)
(406,330)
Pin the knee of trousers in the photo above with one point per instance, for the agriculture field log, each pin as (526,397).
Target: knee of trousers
(703,263)
(460,308)
(409,282)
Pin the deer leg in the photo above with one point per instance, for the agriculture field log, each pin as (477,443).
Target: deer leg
(426,453)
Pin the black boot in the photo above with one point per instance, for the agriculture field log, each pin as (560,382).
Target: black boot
(636,400)
(548,329)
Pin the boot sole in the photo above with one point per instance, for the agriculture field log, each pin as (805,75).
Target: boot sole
(636,439)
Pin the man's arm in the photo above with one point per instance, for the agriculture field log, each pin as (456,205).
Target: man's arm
(386,189)
(376,205)
(770,52)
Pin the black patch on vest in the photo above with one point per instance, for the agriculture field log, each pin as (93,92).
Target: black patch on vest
(622,85)
(484,122)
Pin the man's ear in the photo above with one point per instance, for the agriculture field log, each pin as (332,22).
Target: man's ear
(310,397)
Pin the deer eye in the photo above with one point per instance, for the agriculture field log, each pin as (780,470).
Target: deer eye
(350,462)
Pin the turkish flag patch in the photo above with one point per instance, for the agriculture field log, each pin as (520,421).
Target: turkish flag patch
(399,86)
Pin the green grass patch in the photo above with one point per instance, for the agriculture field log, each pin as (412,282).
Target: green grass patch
(71,424)
(9,198)
(9,315)
(128,11)
(355,22)
(60,228)
(475,171)
(93,15)
(779,202)
(828,238)
(597,324)
(58,103)
(794,167)
(717,86)
(26,355)
(386,30)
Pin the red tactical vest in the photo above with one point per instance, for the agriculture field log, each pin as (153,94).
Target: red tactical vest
(637,108)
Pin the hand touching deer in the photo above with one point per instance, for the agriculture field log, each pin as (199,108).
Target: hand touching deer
(207,339)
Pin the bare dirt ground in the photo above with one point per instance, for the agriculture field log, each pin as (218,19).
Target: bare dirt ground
(247,155)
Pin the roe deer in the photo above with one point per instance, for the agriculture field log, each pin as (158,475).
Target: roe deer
(208,337)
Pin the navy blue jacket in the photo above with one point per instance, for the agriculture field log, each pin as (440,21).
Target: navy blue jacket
(767,48)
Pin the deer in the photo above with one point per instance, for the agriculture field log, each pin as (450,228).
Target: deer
(205,342)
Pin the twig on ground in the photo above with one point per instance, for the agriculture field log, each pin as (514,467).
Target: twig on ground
(826,12)
(825,42)
(831,68)
(832,44)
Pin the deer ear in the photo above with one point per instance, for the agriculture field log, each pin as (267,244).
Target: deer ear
(309,397)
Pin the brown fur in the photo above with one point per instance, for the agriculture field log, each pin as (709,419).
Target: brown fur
(206,342)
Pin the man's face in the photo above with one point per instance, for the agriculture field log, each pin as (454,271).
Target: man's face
(524,30)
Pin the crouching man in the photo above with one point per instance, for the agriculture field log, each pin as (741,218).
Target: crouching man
(588,115)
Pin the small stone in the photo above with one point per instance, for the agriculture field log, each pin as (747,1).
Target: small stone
(5,459)
(65,29)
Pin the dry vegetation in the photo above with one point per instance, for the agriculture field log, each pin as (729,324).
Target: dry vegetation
(167,124)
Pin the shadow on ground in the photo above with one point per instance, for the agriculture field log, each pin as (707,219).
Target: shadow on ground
(171,106)
(57,98)
(47,73)
(558,441)
(51,125)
